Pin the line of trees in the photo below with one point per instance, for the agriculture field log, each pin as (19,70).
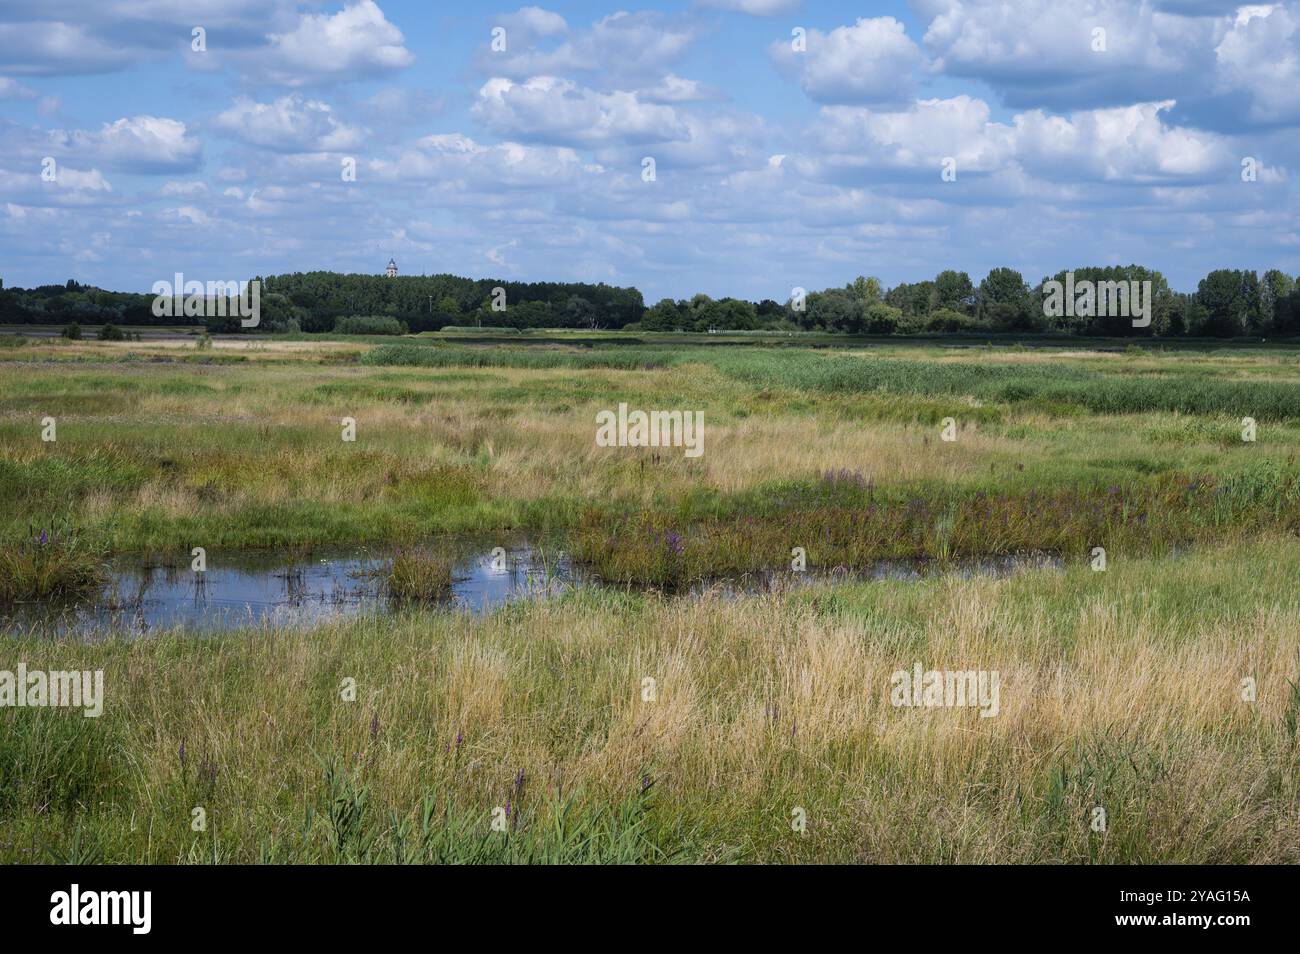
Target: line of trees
(428,303)
(315,301)
(1227,303)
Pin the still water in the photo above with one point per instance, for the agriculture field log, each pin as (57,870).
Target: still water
(275,588)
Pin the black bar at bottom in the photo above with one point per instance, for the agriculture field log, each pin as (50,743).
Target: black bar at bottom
(301,903)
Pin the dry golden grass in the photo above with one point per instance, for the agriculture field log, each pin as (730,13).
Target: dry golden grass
(758,705)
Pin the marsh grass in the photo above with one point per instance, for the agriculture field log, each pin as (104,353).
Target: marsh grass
(155,452)
(50,564)
(440,355)
(1120,689)
(1030,384)
(844,520)
(419,575)
(344,827)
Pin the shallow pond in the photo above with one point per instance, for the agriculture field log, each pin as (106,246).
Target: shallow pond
(275,588)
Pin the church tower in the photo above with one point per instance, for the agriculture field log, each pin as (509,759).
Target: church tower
(391,270)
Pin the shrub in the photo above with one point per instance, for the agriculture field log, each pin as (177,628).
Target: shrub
(369,325)
(205,341)
(49,565)
(882,319)
(71,331)
(419,575)
(111,332)
(946,319)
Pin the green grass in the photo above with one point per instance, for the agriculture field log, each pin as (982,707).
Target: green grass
(49,565)
(1027,385)
(446,356)
(420,575)
(845,521)
(1121,689)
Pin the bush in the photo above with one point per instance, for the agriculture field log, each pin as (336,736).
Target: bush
(49,565)
(71,331)
(946,319)
(882,319)
(369,325)
(111,332)
(419,575)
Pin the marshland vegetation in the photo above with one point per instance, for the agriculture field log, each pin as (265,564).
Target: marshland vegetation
(1120,689)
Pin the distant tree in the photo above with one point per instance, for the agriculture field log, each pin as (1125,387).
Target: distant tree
(1006,301)
(730,314)
(882,319)
(580,313)
(1219,294)
(1250,315)
(663,316)
(867,290)
(836,309)
(1274,286)
(951,290)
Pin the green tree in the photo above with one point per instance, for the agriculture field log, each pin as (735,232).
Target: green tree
(663,316)
(951,288)
(1219,294)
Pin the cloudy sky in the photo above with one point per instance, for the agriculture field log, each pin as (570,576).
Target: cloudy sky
(793,143)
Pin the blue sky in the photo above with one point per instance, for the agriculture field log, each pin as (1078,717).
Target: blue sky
(128,156)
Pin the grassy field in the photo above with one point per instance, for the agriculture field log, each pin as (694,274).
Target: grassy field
(1120,690)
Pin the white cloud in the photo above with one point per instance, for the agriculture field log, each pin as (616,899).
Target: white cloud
(675,89)
(12,89)
(757,8)
(187,213)
(1127,146)
(530,23)
(455,160)
(1260,56)
(91,180)
(290,124)
(625,47)
(192,187)
(56,47)
(355,43)
(869,62)
(552,110)
(143,144)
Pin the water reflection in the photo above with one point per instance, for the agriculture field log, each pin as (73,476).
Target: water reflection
(275,588)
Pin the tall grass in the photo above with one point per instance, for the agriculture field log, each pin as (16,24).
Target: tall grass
(49,564)
(845,521)
(1034,384)
(419,575)
(1119,689)
(452,356)
(368,325)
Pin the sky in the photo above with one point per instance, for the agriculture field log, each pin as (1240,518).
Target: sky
(731,147)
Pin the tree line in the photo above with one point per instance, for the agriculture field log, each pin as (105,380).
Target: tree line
(1227,303)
